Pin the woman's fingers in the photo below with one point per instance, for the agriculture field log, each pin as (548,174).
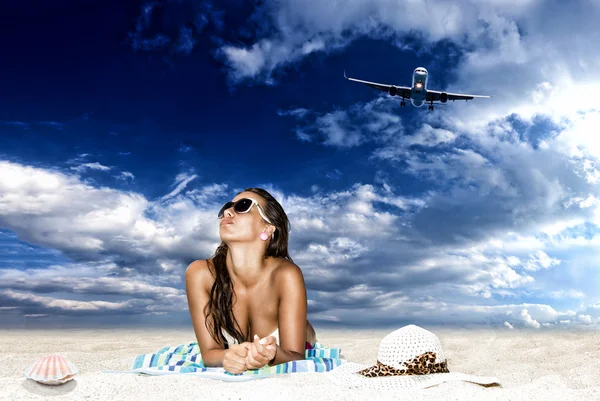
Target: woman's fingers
(241,350)
(253,363)
(236,367)
(257,343)
(234,360)
(256,353)
(268,340)
(246,355)
(271,351)
(261,357)
(266,346)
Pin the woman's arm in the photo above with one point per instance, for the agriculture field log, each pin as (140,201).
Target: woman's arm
(292,314)
(198,281)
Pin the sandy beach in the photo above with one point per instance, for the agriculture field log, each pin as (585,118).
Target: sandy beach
(531,365)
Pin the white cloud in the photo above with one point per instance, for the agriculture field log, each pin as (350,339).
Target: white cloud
(301,28)
(103,221)
(182,180)
(528,321)
(86,279)
(540,260)
(299,112)
(125,175)
(361,249)
(251,61)
(567,294)
(338,250)
(429,136)
(361,123)
(398,309)
(63,304)
(90,166)
(330,125)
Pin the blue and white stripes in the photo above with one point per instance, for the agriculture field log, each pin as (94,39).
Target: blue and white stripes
(186,359)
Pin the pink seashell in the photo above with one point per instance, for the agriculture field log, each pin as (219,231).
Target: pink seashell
(52,369)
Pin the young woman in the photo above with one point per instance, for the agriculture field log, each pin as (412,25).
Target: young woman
(248,302)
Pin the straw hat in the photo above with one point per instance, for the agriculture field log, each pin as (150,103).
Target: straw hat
(409,358)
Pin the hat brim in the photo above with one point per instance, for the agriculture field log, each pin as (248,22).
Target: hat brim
(346,375)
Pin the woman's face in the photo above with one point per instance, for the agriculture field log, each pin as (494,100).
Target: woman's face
(243,227)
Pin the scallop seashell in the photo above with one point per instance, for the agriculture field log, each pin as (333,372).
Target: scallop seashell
(51,369)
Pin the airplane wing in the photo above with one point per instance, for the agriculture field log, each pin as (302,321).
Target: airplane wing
(399,90)
(436,96)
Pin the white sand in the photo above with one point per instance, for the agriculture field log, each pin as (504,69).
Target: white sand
(531,365)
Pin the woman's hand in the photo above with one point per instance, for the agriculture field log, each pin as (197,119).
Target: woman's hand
(234,359)
(261,352)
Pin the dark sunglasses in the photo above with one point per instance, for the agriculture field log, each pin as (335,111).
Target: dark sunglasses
(241,206)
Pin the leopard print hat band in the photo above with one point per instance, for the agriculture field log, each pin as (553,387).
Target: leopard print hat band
(423,364)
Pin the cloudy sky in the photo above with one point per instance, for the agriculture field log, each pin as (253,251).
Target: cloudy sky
(123,128)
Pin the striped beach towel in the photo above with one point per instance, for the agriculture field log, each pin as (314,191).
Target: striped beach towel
(186,359)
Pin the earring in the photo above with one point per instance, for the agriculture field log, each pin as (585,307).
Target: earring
(264,236)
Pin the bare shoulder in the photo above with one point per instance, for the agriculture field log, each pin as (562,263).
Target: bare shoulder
(287,274)
(199,272)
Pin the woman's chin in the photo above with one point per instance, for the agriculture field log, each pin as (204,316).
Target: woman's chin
(230,237)
(225,233)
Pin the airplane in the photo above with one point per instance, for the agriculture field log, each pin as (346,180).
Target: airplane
(418,93)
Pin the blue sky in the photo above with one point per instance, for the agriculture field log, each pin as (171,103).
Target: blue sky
(123,128)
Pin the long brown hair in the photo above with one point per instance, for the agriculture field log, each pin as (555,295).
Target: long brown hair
(219,309)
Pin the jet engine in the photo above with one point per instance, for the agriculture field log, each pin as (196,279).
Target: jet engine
(443,97)
(393,90)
